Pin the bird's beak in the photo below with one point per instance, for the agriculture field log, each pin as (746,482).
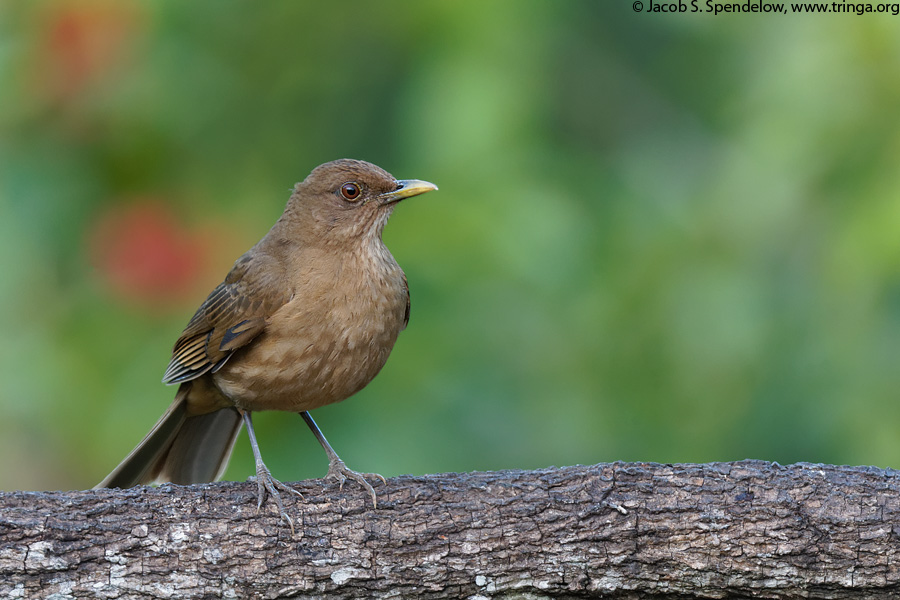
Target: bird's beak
(407,188)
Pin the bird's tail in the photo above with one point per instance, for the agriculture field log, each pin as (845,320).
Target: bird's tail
(180,448)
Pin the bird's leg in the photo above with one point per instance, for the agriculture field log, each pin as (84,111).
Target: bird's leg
(266,485)
(336,467)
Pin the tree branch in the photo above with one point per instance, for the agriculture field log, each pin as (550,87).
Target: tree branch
(748,529)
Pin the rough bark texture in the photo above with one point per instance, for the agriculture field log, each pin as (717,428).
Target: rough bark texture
(726,530)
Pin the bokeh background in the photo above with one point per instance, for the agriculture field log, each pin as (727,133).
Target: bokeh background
(657,237)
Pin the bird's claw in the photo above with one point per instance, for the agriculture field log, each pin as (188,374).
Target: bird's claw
(266,486)
(337,470)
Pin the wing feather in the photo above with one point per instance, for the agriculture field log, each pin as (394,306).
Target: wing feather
(231,317)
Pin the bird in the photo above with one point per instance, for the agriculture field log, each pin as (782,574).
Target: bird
(305,318)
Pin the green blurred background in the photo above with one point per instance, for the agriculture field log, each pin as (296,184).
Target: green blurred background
(657,237)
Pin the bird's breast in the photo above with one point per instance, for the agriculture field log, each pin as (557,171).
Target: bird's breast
(325,344)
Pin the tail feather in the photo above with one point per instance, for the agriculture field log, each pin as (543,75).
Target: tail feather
(180,448)
(201,450)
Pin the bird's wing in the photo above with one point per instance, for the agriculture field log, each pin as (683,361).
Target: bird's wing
(406,314)
(233,314)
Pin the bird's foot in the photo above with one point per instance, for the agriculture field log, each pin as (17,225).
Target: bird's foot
(339,471)
(266,486)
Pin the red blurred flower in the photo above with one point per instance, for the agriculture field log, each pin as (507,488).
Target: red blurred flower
(146,257)
(82,41)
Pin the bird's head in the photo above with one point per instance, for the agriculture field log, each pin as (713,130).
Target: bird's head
(346,199)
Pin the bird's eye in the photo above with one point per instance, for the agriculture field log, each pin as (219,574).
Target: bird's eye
(350,191)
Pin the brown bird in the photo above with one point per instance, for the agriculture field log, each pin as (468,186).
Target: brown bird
(307,317)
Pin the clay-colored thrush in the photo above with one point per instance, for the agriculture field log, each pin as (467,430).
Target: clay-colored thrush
(305,318)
